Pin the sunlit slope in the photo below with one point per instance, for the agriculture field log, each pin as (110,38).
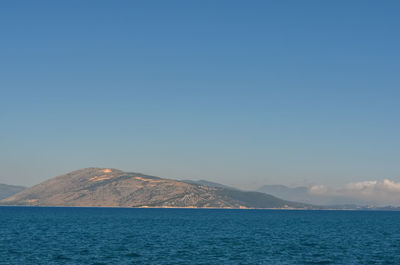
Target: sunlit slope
(102,187)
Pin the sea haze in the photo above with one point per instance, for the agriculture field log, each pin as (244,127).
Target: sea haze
(47,235)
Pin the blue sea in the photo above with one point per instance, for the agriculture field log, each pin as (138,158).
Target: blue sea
(47,235)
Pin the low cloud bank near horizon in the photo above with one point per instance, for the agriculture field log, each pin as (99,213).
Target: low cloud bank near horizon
(384,192)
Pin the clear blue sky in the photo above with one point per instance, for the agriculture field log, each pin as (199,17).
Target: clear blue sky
(240,92)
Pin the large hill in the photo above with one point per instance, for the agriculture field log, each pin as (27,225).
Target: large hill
(103,187)
(8,190)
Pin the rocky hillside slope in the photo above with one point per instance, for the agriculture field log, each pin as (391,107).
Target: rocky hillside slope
(103,187)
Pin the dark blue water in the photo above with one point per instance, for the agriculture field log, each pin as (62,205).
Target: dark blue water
(193,236)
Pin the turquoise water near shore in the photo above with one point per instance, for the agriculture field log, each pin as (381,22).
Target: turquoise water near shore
(47,235)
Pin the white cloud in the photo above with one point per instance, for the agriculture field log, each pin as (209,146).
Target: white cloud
(385,192)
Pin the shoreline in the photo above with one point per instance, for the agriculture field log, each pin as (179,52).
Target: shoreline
(209,208)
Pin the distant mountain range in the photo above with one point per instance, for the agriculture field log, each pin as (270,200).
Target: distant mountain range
(297,193)
(8,190)
(103,187)
(302,194)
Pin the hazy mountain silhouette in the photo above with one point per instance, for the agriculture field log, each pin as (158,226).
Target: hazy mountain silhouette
(302,194)
(8,190)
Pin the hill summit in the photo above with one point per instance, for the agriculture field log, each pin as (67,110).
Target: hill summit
(106,187)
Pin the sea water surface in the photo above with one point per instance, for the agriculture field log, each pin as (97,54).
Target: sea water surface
(47,235)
